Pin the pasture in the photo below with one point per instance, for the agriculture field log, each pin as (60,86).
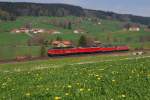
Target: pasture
(105,77)
(108,32)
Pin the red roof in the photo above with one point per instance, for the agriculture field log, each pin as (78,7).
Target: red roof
(64,42)
(56,42)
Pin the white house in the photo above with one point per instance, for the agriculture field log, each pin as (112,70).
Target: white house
(78,31)
(99,23)
(134,28)
(56,32)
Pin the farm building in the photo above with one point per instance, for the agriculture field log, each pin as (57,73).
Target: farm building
(79,31)
(37,31)
(52,31)
(61,44)
(26,30)
(134,28)
(21,30)
(99,23)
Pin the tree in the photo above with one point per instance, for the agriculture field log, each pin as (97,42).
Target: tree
(83,41)
(28,25)
(46,42)
(148,26)
(127,26)
(58,38)
(69,25)
(43,51)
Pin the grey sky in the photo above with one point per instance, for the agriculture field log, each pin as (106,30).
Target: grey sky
(136,7)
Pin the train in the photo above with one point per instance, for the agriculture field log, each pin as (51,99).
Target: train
(85,50)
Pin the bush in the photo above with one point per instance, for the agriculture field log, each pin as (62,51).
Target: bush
(83,41)
(43,51)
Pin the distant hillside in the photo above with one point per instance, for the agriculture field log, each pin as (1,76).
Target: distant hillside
(9,11)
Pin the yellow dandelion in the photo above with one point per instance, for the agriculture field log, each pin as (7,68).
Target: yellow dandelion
(89,89)
(47,89)
(113,80)
(81,89)
(97,75)
(57,98)
(98,78)
(123,95)
(69,86)
(4,84)
(27,94)
(66,94)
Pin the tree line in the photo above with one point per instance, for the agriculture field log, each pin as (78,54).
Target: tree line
(9,11)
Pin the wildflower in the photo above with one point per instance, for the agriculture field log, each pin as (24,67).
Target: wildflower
(123,95)
(78,83)
(113,80)
(27,94)
(81,89)
(96,75)
(98,78)
(89,89)
(47,89)
(57,98)
(69,86)
(130,76)
(66,94)
(4,84)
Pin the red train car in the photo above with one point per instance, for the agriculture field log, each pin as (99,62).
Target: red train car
(71,51)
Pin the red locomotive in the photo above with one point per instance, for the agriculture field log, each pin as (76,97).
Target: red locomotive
(85,50)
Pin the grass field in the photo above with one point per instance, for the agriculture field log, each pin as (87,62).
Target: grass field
(11,52)
(102,77)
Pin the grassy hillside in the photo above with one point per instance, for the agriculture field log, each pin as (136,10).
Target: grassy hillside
(100,31)
(84,78)
(109,31)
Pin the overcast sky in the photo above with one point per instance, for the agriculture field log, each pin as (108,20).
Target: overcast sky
(136,7)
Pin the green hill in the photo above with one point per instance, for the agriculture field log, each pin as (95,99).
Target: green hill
(109,32)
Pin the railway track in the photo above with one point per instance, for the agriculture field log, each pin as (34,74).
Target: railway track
(125,53)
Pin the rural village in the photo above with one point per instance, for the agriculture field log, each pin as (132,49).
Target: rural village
(74,50)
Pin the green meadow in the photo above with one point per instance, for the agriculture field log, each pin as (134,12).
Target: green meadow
(109,32)
(102,77)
